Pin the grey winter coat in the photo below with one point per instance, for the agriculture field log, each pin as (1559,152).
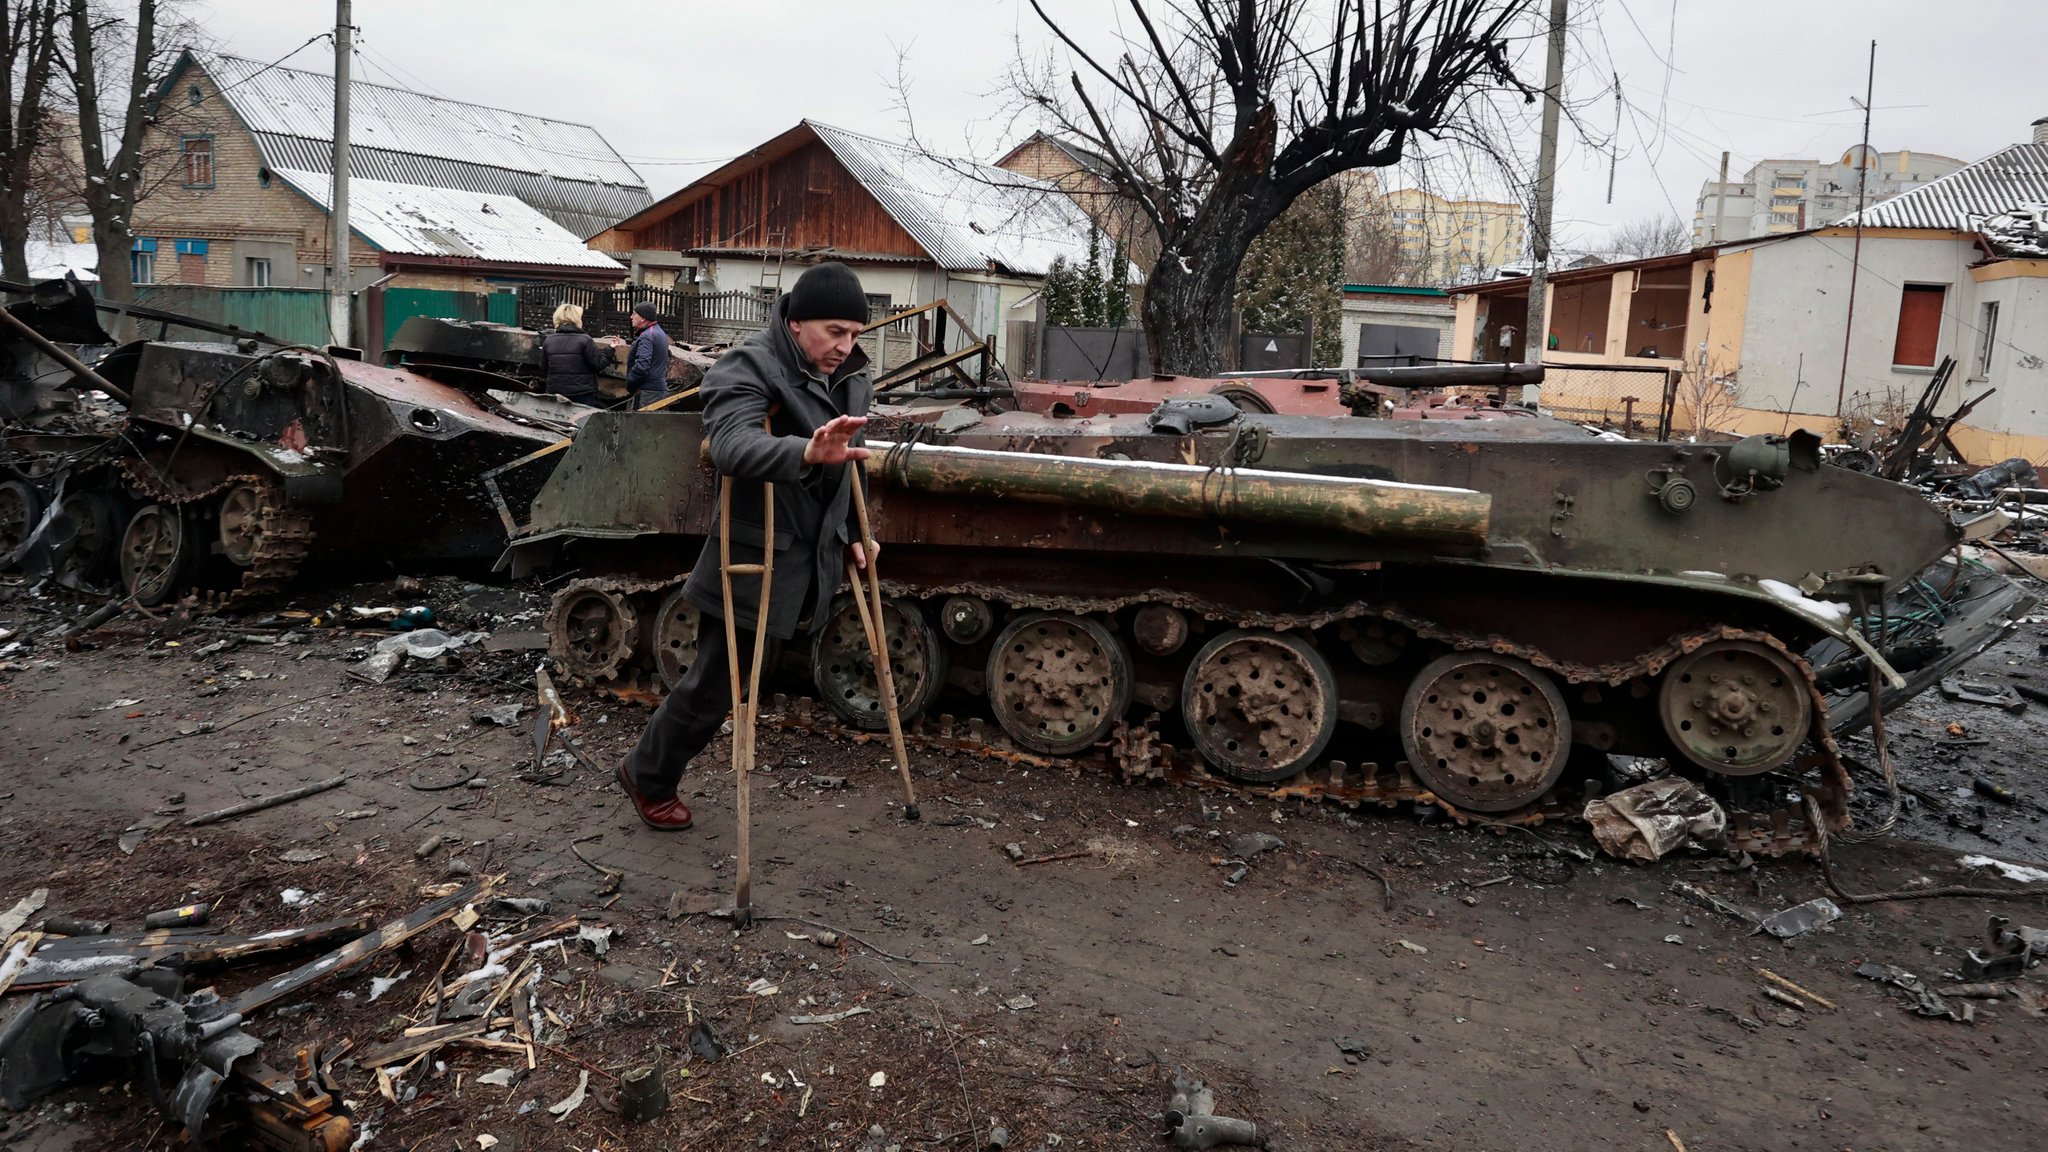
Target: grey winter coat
(814,519)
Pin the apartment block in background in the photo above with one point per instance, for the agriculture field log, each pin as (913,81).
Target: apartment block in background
(1779,196)
(1453,240)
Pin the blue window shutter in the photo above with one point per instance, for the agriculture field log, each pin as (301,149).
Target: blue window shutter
(143,245)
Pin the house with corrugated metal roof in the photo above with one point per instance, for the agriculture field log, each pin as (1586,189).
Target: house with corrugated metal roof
(915,226)
(1848,321)
(443,194)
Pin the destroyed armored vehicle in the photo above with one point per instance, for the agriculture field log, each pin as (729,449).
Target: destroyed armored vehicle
(179,466)
(1366,609)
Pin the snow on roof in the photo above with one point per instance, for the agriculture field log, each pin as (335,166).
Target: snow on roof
(1962,200)
(420,221)
(566,170)
(2021,233)
(50,261)
(969,216)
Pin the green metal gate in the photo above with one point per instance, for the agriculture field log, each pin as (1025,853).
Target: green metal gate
(402,304)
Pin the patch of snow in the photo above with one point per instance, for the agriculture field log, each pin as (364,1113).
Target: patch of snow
(1826,611)
(2016,872)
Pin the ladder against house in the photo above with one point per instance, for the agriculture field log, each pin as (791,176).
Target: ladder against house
(770,286)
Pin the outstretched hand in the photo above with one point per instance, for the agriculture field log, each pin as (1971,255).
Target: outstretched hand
(833,443)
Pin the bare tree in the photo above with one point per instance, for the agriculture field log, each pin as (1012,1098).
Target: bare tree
(1709,395)
(1649,236)
(1373,248)
(28,61)
(117,62)
(1216,118)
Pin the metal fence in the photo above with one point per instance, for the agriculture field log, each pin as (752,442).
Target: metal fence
(294,315)
(606,310)
(1634,401)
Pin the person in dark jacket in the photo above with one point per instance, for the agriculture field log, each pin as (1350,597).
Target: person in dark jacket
(647,366)
(806,378)
(573,359)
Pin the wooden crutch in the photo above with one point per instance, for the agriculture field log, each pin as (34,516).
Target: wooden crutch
(745,708)
(867,597)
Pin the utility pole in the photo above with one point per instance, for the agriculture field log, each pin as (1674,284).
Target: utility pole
(1856,252)
(1721,201)
(338,309)
(1536,329)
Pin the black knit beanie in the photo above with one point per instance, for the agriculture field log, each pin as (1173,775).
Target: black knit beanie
(829,291)
(644,310)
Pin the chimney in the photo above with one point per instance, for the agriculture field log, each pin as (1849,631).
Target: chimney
(2041,131)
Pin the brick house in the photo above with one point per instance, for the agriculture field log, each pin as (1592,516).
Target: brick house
(1082,175)
(445,194)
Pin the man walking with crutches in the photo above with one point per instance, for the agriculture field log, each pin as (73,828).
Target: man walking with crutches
(783,412)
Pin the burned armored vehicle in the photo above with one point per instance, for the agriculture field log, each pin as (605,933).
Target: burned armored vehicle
(1369,609)
(171,467)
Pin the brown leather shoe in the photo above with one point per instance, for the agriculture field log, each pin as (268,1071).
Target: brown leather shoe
(670,815)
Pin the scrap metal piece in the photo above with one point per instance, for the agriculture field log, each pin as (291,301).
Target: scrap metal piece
(2007,952)
(1918,995)
(1801,918)
(193,1041)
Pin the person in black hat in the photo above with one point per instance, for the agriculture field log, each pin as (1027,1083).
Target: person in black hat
(647,367)
(805,378)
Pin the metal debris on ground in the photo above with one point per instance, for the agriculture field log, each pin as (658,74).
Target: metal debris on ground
(2007,952)
(642,1096)
(1250,844)
(1707,899)
(1649,820)
(1801,918)
(1191,1121)
(1993,695)
(1917,994)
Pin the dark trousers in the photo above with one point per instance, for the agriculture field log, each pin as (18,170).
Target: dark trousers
(691,715)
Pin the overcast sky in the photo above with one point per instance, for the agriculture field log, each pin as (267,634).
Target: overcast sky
(680,86)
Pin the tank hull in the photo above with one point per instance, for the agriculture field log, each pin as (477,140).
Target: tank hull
(1588,582)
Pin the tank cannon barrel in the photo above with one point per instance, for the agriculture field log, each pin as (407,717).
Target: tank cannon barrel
(1369,508)
(1454,375)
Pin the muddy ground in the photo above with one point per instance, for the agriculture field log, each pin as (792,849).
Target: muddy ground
(1513,996)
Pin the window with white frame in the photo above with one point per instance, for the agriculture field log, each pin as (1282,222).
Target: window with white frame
(258,271)
(1987,339)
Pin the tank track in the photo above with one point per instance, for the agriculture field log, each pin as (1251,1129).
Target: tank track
(282,544)
(1139,753)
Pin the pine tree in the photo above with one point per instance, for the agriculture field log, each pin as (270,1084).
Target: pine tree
(1116,289)
(1062,294)
(1294,273)
(1091,288)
